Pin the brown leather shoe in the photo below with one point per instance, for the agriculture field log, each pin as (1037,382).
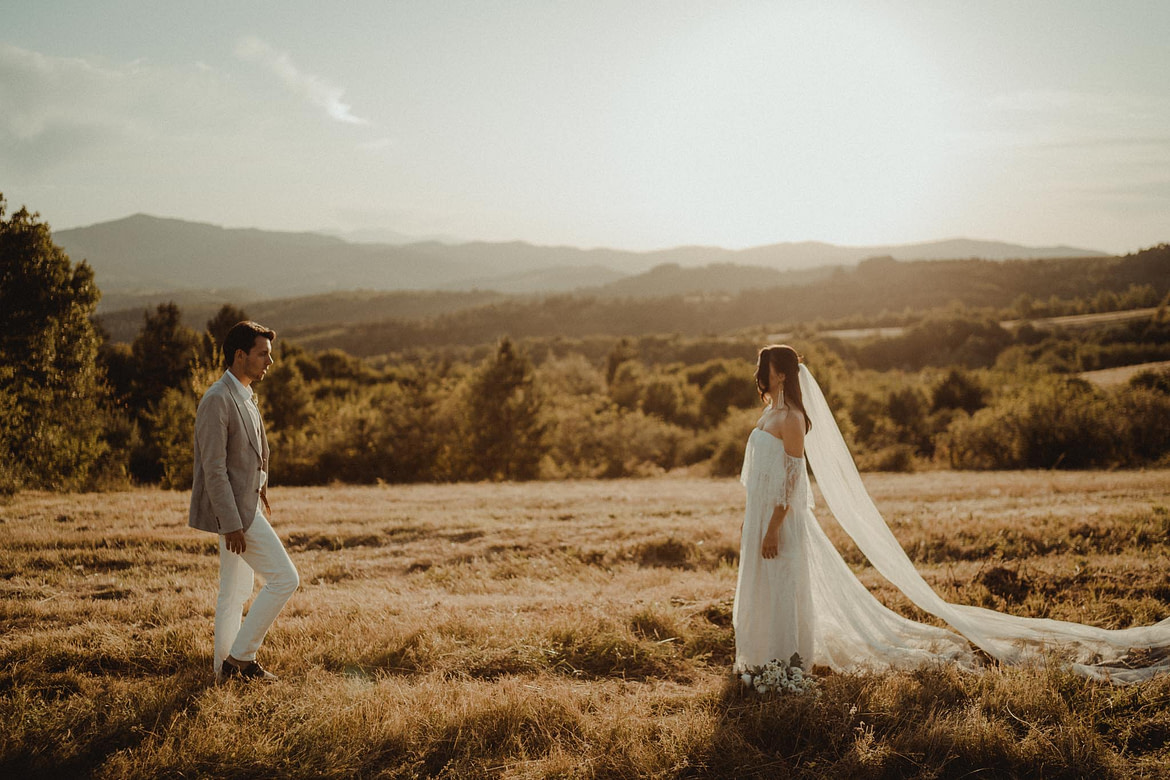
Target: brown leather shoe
(247,671)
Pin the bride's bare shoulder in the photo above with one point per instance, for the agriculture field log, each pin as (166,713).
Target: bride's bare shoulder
(791,424)
(773,421)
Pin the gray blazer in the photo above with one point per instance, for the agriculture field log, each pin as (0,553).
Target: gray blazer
(229,462)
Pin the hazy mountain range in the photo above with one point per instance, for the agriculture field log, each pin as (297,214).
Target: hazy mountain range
(388,237)
(143,259)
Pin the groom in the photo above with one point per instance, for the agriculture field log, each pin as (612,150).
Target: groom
(229,497)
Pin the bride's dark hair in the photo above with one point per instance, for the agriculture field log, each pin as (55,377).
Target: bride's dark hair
(787,362)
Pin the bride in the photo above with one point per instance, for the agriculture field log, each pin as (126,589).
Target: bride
(796,594)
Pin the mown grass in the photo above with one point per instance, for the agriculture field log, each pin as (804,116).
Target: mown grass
(576,629)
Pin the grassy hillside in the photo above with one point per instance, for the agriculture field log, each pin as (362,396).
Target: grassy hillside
(671,279)
(711,300)
(573,629)
(875,288)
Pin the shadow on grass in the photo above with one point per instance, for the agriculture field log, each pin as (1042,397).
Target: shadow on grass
(927,723)
(774,735)
(70,723)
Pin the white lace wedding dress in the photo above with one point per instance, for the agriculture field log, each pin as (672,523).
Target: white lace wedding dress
(808,601)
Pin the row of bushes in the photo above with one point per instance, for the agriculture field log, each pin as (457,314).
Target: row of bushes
(79,411)
(1061,422)
(332,417)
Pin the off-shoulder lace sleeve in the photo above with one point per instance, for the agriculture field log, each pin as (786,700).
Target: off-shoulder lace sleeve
(775,477)
(796,489)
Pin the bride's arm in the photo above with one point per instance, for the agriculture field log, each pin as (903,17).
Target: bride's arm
(792,432)
(770,547)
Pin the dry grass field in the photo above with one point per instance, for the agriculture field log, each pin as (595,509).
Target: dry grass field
(572,630)
(1113,377)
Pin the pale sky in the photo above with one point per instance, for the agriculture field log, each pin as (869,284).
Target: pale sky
(626,124)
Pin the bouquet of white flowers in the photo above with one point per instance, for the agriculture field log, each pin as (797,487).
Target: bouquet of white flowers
(777,675)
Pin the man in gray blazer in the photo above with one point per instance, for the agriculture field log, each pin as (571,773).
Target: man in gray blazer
(229,497)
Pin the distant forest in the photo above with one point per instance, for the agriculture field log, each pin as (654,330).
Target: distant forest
(574,386)
(879,291)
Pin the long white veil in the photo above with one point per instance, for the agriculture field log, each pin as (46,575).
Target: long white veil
(1120,656)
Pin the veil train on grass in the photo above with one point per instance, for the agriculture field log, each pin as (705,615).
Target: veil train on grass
(855,631)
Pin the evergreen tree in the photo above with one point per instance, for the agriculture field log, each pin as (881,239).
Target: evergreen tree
(217,330)
(164,355)
(958,390)
(625,349)
(722,393)
(507,432)
(163,358)
(172,424)
(287,399)
(50,387)
(625,388)
(662,397)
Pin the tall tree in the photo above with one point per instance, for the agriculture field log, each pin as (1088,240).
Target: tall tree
(624,350)
(217,330)
(50,386)
(507,433)
(164,358)
(164,355)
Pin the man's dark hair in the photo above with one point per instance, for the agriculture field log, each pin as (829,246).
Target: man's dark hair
(243,336)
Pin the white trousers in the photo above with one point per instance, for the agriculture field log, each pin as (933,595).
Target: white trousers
(263,555)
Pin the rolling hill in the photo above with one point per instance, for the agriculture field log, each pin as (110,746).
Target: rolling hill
(311,313)
(374,323)
(156,259)
(148,254)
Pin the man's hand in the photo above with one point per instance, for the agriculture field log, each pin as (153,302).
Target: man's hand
(235,542)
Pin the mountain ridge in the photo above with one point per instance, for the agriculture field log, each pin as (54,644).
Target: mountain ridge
(143,254)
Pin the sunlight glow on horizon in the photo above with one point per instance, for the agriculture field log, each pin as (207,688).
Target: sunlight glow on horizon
(822,124)
(632,126)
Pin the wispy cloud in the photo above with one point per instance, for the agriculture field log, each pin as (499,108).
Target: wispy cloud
(56,112)
(1090,118)
(315,89)
(53,109)
(1070,138)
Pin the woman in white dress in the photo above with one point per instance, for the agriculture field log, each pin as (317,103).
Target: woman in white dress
(773,613)
(796,594)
